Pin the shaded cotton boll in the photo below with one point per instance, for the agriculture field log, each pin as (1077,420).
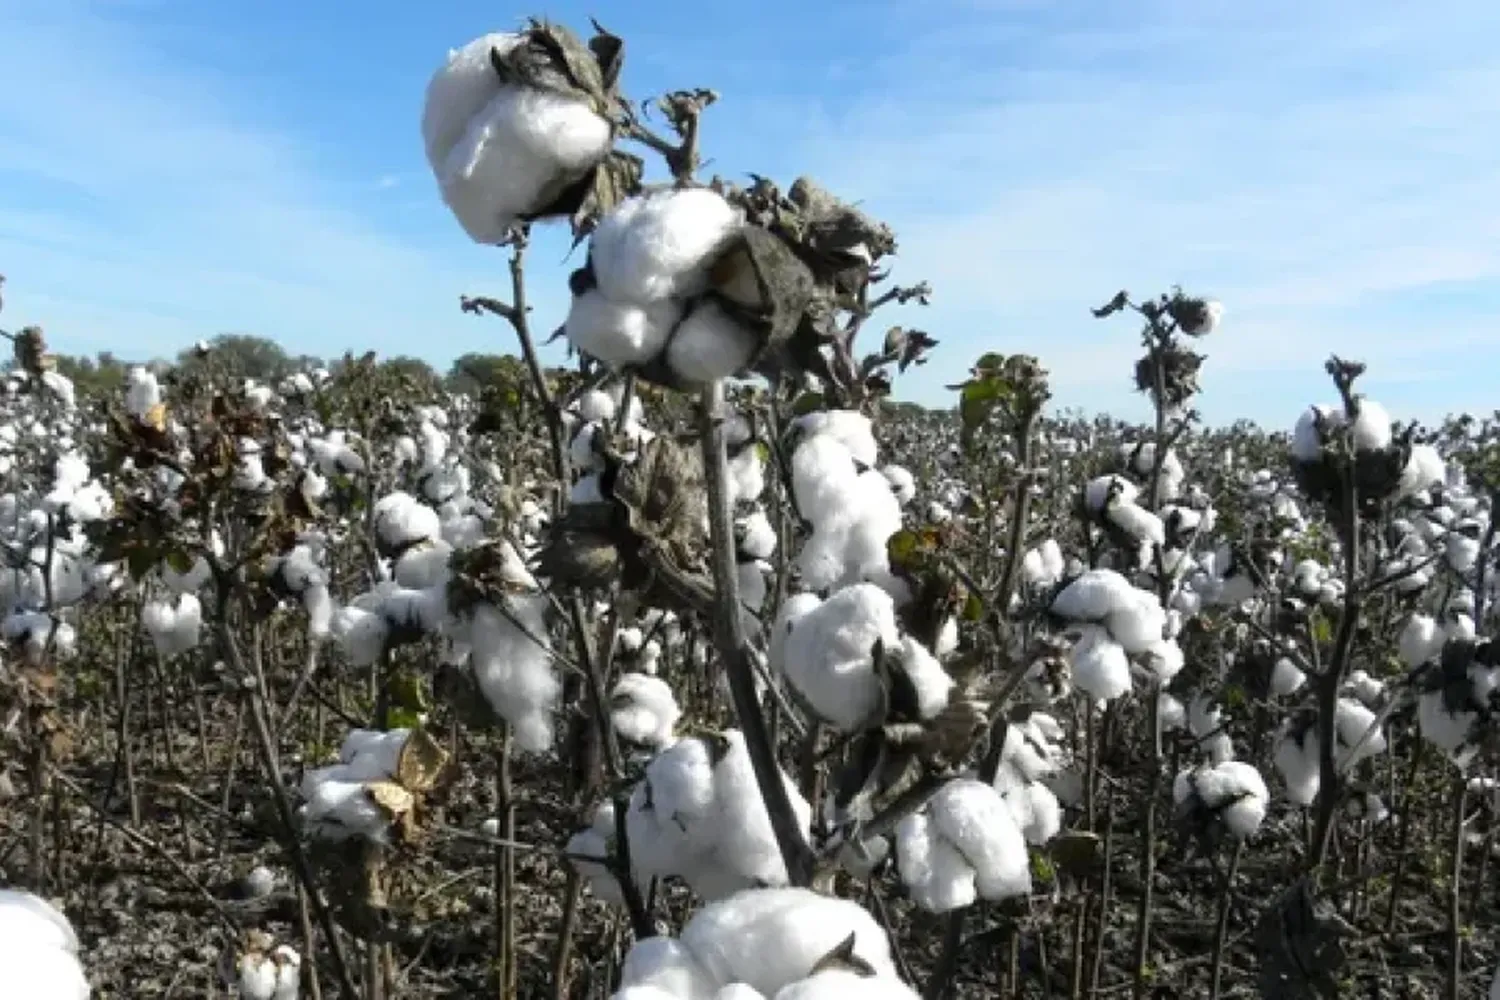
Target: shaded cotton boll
(828,653)
(756,537)
(1461,552)
(1100,492)
(597,841)
(1366,689)
(1101,668)
(1171,714)
(424,565)
(512,662)
(1286,678)
(1307,446)
(839,984)
(709,345)
(40,950)
(643,710)
(1206,724)
(659,245)
(1093,596)
(1232,792)
(620,333)
(1421,640)
(747,475)
(1451,732)
(754,584)
(744,843)
(768,939)
(931,682)
(903,483)
(586,491)
(1137,522)
(1296,758)
(1424,469)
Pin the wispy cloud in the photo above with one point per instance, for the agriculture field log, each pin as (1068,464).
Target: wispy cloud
(1303,162)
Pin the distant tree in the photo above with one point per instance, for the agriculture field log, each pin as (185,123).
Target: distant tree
(471,373)
(248,356)
(103,373)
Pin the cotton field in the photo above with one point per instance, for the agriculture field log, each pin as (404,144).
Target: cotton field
(696,668)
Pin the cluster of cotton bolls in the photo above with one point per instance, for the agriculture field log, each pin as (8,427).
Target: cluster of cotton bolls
(1230,793)
(336,800)
(1116,627)
(300,574)
(593,419)
(39,949)
(267,970)
(173,627)
(651,260)
(1384,466)
(697,815)
(767,944)
(1459,686)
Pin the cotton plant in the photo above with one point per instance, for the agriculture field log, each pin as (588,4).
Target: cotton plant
(174,627)
(1297,755)
(1459,695)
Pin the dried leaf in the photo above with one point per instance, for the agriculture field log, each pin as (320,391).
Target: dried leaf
(423,762)
(843,959)
(155,417)
(391,797)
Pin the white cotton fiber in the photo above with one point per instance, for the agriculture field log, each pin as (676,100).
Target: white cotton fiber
(619,333)
(643,709)
(514,669)
(658,246)
(1101,667)
(709,345)
(500,151)
(828,654)
(1093,596)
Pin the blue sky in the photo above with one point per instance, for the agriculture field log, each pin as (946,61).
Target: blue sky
(171,169)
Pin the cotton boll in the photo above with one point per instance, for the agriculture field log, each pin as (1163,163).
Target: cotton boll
(850,428)
(516,154)
(709,345)
(1461,552)
(1296,758)
(756,537)
(1165,659)
(1366,689)
(1036,811)
(1372,427)
(1286,678)
(976,821)
(596,406)
(1138,625)
(1101,668)
(620,333)
(839,984)
(643,709)
(1093,596)
(928,679)
(512,663)
(1424,469)
(1206,723)
(1307,446)
(1233,792)
(934,873)
(1137,522)
(668,965)
(828,655)
(744,842)
(903,483)
(1421,640)
(40,948)
(658,246)
(459,90)
(1171,714)
(1100,492)
(768,939)
(1449,731)
(671,809)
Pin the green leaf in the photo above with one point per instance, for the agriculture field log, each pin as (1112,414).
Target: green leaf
(1322,628)
(403,718)
(973,608)
(140,561)
(808,402)
(180,560)
(407,691)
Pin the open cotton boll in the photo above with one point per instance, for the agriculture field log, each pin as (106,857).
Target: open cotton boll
(1233,792)
(966,820)
(747,476)
(768,939)
(756,538)
(423,565)
(1093,596)
(1367,690)
(596,406)
(402,520)
(1171,714)
(659,245)
(1372,426)
(620,333)
(513,666)
(1421,640)
(1286,678)
(671,809)
(928,679)
(828,654)
(1137,522)
(1099,492)
(1352,721)
(1461,552)
(1296,758)
(40,950)
(1449,731)
(142,392)
(708,344)
(1036,811)
(903,483)
(1165,659)
(666,965)
(1138,625)
(1307,445)
(744,842)
(460,90)
(643,709)
(1424,469)
(515,155)
(841,984)
(850,428)
(1101,668)
(1206,723)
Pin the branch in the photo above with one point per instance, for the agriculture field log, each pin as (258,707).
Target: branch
(734,647)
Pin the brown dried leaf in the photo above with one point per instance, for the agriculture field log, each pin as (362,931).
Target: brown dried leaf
(423,762)
(391,797)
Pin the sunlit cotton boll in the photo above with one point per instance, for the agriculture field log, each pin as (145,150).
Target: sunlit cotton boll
(512,662)
(1232,792)
(963,845)
(827,654)
(1101,667)
(40,950)
(620,333)
(643,709)
(709,345)
(658,246)
(501,152)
